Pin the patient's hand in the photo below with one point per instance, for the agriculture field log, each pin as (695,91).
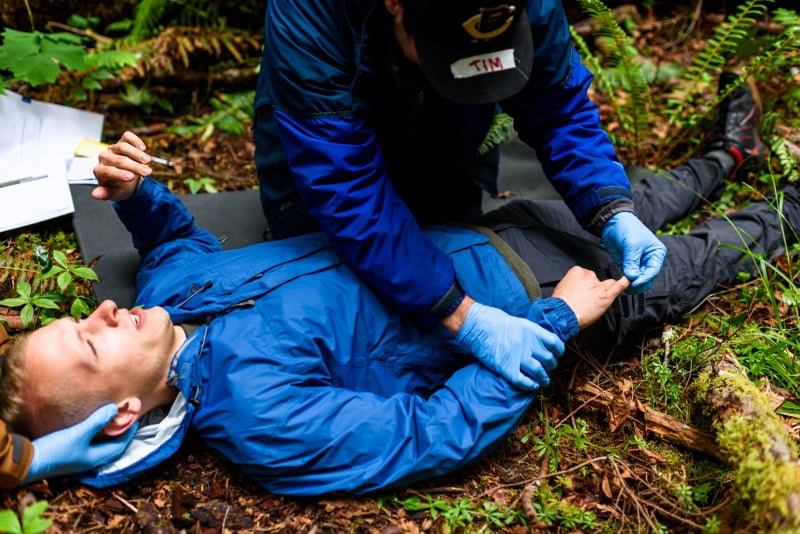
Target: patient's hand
(588,297)
(122,167)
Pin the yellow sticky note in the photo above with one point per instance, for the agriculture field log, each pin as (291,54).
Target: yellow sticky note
(89,149)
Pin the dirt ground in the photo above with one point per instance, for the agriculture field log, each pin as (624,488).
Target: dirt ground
(615,479)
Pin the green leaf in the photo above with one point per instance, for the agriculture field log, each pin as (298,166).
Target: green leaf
(102,74)
(26,315)
(166,105)
(69,55)
(24,290)
(79,308)
(37,57)
(85,272)
(112,59)
(9,522)
(91,84)
(32,518)
(209,129)
(13,302)
(37,525)
(43,302)
(42,257)
(60,258)
(50,273)
(80,22)
(64,280)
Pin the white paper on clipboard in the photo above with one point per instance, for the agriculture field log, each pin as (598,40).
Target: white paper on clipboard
(38,139)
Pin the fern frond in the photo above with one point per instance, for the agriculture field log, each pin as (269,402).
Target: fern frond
(711,60)
(601,78)
(790,167)
(603,81)
(693,112)
(787,18)
(16,268)
(148,15)
(500,131)
(624,71)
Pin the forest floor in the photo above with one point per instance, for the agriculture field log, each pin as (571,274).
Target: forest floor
(598,465)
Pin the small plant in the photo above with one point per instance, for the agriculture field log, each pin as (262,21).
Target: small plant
(47,303)
(463,515)
(557,436)
(39,58)
(668,369)
(142,97)
(233,114)
(28,300)
(713,525)
(552,510)
(65,274)
(32,520)
(205,183)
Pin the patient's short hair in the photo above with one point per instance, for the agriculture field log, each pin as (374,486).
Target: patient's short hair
(12,383)
(34,409)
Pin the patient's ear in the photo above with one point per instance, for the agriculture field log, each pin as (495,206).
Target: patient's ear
(128,413)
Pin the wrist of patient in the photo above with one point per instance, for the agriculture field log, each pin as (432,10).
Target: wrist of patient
(455,320)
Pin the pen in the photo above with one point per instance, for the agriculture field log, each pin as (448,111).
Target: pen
(162,161)
(22,180)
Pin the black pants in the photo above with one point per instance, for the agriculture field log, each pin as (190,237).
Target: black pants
(547,236)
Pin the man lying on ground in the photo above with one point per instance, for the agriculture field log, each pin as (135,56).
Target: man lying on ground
(281,359)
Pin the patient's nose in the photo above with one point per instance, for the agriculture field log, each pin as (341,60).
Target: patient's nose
(107,312)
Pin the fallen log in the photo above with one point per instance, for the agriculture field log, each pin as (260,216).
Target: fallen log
(624,405)
(753,441)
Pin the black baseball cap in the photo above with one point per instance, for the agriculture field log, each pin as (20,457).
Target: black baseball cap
(472,51)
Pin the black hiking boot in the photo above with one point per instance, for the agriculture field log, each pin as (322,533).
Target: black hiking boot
(736,130)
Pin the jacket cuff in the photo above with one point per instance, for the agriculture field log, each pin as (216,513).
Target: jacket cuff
(142,195)
(449,301)
(603,213)
(556,316)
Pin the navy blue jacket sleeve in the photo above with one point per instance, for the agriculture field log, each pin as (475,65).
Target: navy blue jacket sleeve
(337,162)
(342,179)
(555,116)
(162,229)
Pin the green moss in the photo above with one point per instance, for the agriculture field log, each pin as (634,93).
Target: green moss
(749,441)
(761,479)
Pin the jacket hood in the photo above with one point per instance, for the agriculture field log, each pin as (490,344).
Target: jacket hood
(153,443)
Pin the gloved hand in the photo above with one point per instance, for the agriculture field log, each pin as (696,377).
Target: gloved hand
(636,250)
(515,348)
(70,451)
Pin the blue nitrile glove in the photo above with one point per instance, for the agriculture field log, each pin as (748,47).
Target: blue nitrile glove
(636,250)
(70,451)
(515,348)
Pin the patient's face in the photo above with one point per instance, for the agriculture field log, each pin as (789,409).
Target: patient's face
(117,350)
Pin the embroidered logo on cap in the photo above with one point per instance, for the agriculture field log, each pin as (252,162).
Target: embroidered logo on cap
(490,21)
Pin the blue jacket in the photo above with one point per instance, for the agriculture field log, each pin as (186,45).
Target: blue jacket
(337,122)
(303,376)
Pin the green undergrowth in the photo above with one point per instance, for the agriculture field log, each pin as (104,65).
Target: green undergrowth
(582,476)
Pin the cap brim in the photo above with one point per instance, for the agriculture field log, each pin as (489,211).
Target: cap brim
(438,61)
